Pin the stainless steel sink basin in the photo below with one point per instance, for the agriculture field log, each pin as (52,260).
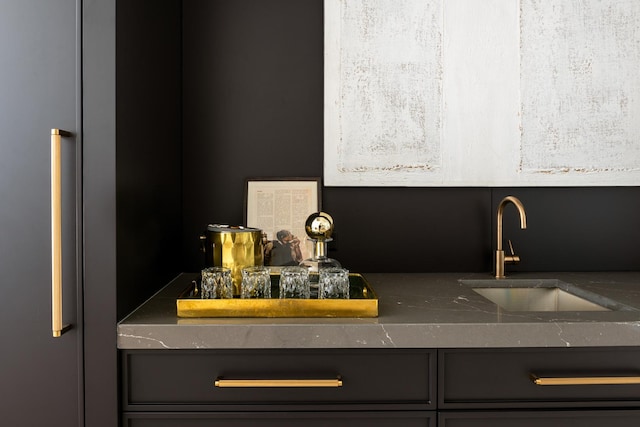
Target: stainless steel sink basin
(537,299)
(541,295)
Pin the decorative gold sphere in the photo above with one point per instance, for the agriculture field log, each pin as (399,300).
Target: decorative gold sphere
(319,226)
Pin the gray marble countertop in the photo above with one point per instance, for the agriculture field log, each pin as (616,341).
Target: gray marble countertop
(430,310)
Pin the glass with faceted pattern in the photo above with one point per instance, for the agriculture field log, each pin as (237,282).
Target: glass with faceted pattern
(294,282)
(256,282)
(216,283)
(333,283)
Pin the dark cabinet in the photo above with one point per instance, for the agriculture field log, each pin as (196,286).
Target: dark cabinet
(39,90)
(586,418)
(58,72)
(586,386)
(279,387)
(282,419)
(380,387)
(502,378)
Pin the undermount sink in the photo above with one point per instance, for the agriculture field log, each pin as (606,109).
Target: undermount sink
(541,295)
(537,299)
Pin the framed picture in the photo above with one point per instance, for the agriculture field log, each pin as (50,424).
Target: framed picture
(280,208)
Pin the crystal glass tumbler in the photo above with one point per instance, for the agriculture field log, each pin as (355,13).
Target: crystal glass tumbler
(294,282)
(216,283)
(256,282)
(333,283)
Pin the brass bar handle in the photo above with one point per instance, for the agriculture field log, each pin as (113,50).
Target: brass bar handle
(543,381)
(223,383)
(56,232)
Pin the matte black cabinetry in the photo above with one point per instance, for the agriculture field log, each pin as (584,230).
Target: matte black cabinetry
(282,419)
(380,387)
(57,71)
(377,387)
(40,89)
(472,381)
(537,418)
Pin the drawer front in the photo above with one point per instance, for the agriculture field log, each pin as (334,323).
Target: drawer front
(486,378)
(278,419)
(183,378)
(605,417)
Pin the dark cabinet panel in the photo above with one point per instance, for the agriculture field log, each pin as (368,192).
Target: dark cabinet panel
(40,376)
(490,378)
(279,419)
(609,418)
(177,379)
(99,213)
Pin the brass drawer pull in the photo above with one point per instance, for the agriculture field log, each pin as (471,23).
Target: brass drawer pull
(584,380)
(278,383)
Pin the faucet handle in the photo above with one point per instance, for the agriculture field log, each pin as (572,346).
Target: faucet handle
(513,258)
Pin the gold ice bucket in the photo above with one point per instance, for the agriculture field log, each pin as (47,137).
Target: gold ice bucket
(234,247)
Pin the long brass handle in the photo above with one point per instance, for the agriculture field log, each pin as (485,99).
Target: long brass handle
(56,233)
(585,380)
(337,382)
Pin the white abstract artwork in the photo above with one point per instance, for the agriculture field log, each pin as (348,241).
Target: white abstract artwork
(580,80)
(490,93)
(388,50)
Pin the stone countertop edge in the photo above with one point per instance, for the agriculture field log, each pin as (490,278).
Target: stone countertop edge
(415,310)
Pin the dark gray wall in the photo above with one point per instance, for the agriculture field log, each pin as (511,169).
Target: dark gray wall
(575,229)
(252,103)
(149,166)
(210,93)
(253,106)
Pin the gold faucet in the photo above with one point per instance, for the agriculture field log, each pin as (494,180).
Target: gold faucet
(501,259)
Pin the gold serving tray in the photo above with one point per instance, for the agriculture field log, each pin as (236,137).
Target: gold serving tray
(362,302)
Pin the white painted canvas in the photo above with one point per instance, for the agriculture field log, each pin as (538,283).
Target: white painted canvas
(482,93)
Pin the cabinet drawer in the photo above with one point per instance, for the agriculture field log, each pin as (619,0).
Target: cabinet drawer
(502,377)
(184,379)
(279,419)
(610,418)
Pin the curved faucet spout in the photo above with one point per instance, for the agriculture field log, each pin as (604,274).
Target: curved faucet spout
(500,257)
(523,216)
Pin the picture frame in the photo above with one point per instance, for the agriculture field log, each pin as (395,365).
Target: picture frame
(280,207)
